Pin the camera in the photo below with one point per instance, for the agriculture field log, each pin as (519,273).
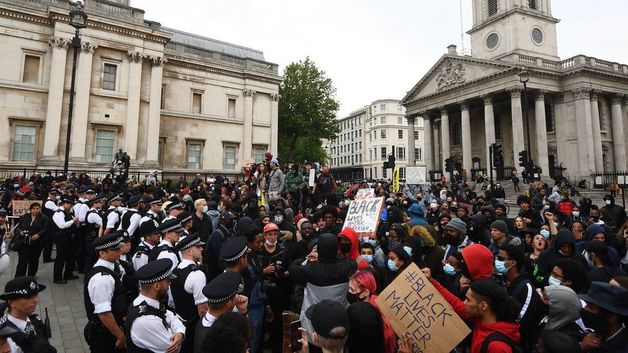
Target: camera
(26,235)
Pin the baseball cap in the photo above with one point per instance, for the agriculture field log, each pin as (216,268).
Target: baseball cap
(326,316)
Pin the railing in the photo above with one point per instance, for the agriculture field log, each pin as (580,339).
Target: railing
(576,61)
(610,179)
(526,59)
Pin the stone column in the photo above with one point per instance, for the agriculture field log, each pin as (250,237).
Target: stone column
(437,145)
(618,134)
(81,101)
(274,124)
(585,130)
(541,133)
(247,141)
(55,96)
(489,128)
(133,103)
(411,141)
(154,109)
(445,142)
(465,125)
(597,135)
(427,141)
(518,144)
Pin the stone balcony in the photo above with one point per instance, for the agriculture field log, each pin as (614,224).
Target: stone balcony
(573,63)
(104,8)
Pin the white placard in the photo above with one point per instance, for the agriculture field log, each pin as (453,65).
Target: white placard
(311,180)
(363,194)
(621,179)
(416,175)
(363,215)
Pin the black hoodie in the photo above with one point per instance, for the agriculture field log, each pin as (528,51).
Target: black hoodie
(550,255)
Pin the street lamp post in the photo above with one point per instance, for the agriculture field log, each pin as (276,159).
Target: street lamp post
(524,77)
(78,20)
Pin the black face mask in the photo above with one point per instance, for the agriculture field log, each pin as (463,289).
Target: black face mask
(450,240)
(345,247)
(352,298)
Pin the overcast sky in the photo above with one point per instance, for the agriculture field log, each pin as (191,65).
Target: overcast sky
(375,49)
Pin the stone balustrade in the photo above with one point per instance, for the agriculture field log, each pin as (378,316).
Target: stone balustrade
(570,63)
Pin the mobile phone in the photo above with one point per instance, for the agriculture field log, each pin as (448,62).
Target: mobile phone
(295,336)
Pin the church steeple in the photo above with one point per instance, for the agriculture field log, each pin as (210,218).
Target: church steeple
(505,27)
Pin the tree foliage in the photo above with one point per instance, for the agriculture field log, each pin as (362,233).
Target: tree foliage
(307,111)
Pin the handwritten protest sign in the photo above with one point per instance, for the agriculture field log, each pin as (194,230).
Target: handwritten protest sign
(363,215)
(417,310)
(22,207)
(363,194)
(310,181)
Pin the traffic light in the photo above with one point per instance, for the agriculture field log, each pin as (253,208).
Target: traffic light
(523,158)
(391,161)
(449,165)
(498,156)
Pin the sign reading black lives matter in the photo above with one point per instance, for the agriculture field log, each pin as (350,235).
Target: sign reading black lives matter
(363,215)
(417,310)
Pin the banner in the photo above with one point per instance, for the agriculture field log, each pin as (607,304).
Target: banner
(417,310)
(396,179)
(363,194)
(22,207)
(363,215)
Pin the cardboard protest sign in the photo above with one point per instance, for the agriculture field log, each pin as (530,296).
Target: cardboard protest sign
(363,215)
(363,194)
(417,310)
(22,207)
(310,181)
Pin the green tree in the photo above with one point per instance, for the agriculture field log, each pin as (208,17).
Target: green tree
(311,149)
(307,111)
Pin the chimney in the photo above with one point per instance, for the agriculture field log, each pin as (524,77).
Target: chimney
(452,49)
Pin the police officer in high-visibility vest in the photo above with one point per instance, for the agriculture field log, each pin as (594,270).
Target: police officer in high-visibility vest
(150,326)
(65,224)
(187,288)
(105,297)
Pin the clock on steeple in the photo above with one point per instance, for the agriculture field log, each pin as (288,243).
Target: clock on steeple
(505,27)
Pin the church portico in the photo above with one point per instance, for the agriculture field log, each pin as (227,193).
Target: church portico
(576,108)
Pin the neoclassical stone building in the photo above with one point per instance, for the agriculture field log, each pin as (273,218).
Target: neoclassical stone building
(172,100)
(578,111)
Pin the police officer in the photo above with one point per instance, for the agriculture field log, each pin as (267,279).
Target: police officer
(154,211)
(149,231)
(80,210)
(187,288)
(113,215)
(150,326)
(105,297)
(222,297)
(65,224)
(173,209)
(131,218)
(93,229)
(185,218)
(171,233)
(50,207)
(21,297)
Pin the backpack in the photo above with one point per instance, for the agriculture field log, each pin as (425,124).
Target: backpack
(498,336)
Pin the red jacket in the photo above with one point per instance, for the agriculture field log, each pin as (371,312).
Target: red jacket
(350,234)
(480,330)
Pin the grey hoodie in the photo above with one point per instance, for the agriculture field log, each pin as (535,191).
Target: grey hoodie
(564,306)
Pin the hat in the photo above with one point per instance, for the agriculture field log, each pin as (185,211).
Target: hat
(54,191)
(274,160)
(156,201)
(326,315)
(149,227)
(594,229)
(500,226)
(68,199)
(114,198)
(134,200)
(233,249)
(21,287)
(270,227)
(155,271)
(224,287)
(89,190)
(188,242)
(184,217)
(226,215)
(171,225)
(457,224)
(607,297)
(70,186)
(98,198)
(108,241)
(3,212)
(171,206)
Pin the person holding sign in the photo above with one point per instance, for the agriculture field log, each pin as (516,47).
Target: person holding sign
(492,312)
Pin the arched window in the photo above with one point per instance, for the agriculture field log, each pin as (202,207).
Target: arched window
(493,7)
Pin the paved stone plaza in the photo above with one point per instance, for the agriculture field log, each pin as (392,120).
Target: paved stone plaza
(65,308)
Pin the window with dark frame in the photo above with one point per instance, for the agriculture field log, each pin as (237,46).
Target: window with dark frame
(110,72)
(493,7)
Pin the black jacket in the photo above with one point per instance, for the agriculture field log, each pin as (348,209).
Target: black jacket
(203,226)
(532,309)
(549,256)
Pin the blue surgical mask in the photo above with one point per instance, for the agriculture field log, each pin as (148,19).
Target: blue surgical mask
(545,233)
(553,281)
(576,214)
(205,209)
(368,258)
(449,269)
(500,266)
(392,266)
(408,250)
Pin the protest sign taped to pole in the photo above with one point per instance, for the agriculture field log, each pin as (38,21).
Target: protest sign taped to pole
(417,310)
(364,215)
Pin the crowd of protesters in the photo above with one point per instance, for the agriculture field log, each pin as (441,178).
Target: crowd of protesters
(551,279)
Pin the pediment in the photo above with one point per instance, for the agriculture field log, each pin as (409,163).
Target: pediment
(451,72)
